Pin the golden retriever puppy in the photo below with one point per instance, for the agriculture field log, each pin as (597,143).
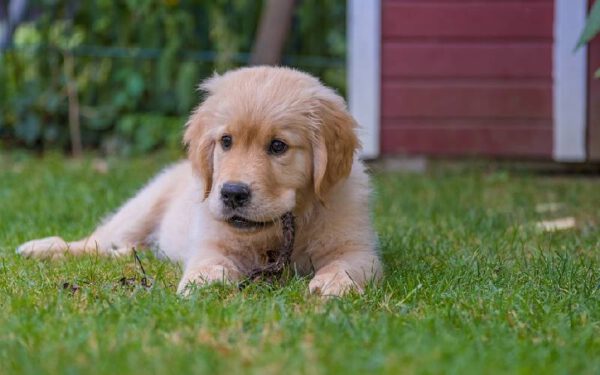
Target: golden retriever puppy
(265,141)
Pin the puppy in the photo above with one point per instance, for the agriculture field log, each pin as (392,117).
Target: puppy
(265,141)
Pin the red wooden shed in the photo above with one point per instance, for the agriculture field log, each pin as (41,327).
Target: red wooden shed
(494,78)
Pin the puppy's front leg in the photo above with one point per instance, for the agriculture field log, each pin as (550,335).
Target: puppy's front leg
(205,268)
(345,269)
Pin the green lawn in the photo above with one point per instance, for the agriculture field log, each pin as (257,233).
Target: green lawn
(471,286)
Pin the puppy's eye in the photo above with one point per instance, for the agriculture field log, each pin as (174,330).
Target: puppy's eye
(226,142)
(277,147)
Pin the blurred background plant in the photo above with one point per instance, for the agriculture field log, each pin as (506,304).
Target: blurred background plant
(121,75)
(592,28)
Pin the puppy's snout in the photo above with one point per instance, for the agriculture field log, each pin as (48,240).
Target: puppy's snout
(235,194)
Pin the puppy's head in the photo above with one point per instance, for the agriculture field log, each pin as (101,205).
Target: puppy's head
(267,141)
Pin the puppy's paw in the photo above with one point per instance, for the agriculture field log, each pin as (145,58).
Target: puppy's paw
(50,247)
(204,275)
(333,284)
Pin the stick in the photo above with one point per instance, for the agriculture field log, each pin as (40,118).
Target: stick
(283,255)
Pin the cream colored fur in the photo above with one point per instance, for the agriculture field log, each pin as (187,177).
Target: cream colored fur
(318,178)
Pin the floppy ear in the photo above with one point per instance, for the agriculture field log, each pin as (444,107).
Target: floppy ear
(333,145)
(197,138)
(200,148)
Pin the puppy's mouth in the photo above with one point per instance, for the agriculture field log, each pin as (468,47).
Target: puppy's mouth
(240,222)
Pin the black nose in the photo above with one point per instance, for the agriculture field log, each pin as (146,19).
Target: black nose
(235,194)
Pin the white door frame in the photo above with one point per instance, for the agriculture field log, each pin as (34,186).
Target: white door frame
(364,78)
(570,71)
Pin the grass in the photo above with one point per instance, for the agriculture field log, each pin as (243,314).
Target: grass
(470,285)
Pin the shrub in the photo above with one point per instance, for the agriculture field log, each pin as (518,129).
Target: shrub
(136,64)
(592,27)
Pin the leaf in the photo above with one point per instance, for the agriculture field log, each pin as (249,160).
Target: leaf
(135,85)
(126,125)
(148,134)
(29,130)
(597,74)
(26,35)
(592,26)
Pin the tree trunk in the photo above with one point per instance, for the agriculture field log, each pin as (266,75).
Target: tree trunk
(73,98)
(272,32)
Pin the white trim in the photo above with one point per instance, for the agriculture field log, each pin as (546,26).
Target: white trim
(570,81)
(364,39)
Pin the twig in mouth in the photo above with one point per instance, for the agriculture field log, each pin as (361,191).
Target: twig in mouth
(278,258)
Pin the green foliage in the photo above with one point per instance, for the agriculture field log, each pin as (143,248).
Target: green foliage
(138,63)
(592,27)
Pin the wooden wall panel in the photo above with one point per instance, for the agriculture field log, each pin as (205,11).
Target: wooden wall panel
(468,19)
(460,140)
(467,60)
(467,100)
(467,77)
